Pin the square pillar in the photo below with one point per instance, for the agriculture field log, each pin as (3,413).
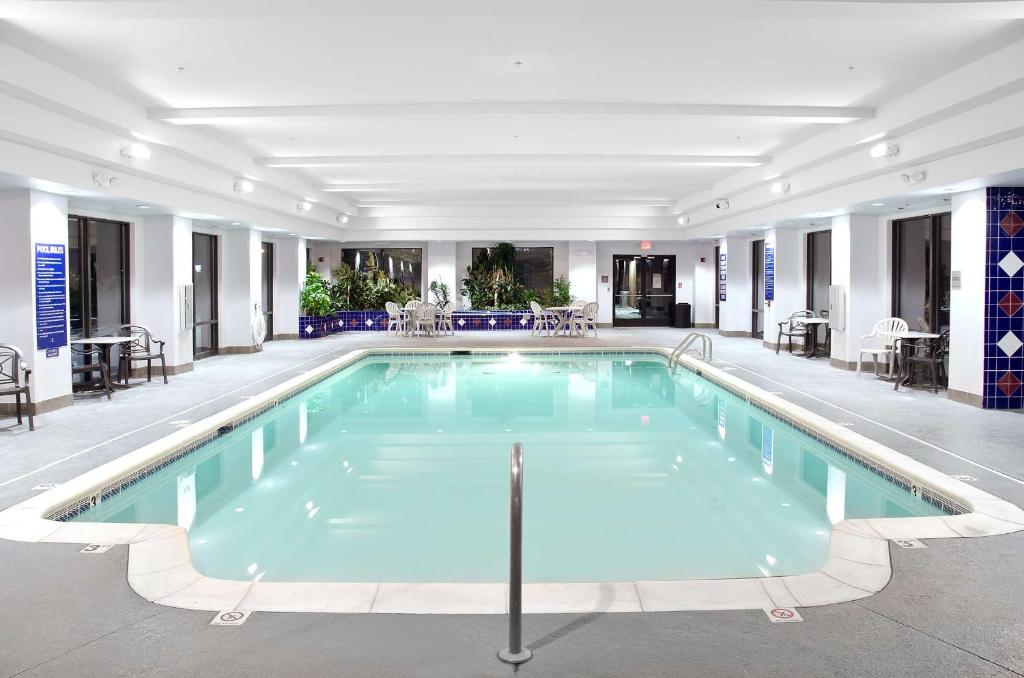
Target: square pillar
(31,218)
(289,273)
(967,303)
(441,267)
(583,270)
(790,295)
(735,313)
(162,266)
(856,267)
(240,289)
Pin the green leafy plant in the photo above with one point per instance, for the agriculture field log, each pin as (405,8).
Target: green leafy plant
(315,297)
(442,293)
(561,293)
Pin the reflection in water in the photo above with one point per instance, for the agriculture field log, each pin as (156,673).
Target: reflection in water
(400,473)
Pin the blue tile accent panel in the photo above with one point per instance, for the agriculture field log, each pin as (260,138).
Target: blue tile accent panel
(1003,387)
(314,327)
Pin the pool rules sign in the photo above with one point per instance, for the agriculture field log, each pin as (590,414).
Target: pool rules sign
(51,297)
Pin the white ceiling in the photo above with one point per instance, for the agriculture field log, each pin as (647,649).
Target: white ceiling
(524,62)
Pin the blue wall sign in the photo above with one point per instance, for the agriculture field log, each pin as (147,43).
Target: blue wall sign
(769,272)
(721,276)
(51,296)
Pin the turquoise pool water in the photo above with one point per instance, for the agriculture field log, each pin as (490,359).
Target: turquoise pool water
(396,469)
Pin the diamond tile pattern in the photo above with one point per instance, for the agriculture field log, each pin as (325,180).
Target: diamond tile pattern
(1010,264)
(1004,299)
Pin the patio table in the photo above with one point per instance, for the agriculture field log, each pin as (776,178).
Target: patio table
(814,324)
(105,345)
(564,315)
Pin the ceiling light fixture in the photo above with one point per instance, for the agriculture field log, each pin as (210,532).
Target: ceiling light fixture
(878,204)
(683,219)
(304,206)
(885,149)
(243,186)
(103,180)
(143,207)
(136,151)
(914,177)
(780,187)
(342,218)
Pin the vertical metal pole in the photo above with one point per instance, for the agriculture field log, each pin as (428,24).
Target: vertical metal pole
(515,653)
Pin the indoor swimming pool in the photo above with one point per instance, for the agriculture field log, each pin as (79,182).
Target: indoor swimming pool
(395,469)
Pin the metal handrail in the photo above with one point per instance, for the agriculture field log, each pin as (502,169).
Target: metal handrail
(515,653)
(704,352)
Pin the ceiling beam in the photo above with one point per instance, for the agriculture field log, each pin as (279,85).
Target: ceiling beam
(214,115)
(679,160)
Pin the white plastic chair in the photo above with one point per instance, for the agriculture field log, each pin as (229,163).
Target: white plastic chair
(585,319)
(444,320)
(426,319)
(881,343)
(395,319)
(542,319)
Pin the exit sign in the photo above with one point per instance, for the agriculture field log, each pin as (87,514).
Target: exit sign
(645,245)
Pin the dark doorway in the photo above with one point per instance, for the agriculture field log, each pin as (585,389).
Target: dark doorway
(267,294)
(204,280)
(757,302)
(819,270)
(644,289)
(922,253)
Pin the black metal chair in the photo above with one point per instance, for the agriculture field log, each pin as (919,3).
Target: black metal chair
(828,331)
(92,361)
(793,327)
(14,378)
(924,352)
(143,347)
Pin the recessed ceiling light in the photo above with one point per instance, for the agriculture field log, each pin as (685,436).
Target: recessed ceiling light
(304,206)
(243,186)
(878,204)
(136,151)
(780,187)
(885,149)
(143,207)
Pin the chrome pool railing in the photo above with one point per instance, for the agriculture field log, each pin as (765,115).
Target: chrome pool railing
(515,653)
(704,352)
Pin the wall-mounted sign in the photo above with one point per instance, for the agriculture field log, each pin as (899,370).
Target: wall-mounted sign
(51,296)
(769,272)
(645,244)
(604,278)
(955,280)
(721,276)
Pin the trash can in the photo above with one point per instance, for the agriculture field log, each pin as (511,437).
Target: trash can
(682,318)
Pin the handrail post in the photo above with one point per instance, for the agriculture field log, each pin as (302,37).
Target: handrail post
(515,653)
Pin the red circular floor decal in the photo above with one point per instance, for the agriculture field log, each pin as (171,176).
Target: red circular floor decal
(782,613)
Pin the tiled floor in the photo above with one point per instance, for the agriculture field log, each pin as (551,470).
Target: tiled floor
(954,608)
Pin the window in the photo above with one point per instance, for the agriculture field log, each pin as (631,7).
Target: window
(536,266)
(921,271)
(402,264)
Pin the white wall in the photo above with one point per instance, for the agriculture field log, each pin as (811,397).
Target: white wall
(28,217)
(967,305)
(691,274)
(289,272)
(440,266)
(856,239)
(240,288)
(161,266)
(583,269)
(735,313)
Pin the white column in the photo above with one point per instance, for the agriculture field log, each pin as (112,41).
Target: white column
(240,289)
(162,266)
(967,304)
(735,312)
(790,294)
(28,218)
(856,263)
(441,267)
(705,287)
(583,269)
(289,272)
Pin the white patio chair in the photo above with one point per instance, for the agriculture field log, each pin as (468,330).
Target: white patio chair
(444,320)
(426,319)
(881,343)
(578,303)
(542,319)
(395,319)
(585,319)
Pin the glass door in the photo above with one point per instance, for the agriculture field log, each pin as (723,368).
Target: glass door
(757,275)
(204,280)
(98,279)
(643,289)
(922,253)
(267,294)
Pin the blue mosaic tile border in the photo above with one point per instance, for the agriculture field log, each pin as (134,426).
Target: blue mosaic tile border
(1003,384)
(72,510)
(315,327)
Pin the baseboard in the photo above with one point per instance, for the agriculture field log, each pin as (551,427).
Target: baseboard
(283,337)
(735,333)
(10,408)
(704,326)
(770,345)
(228,350)
(171,370)
(843,364)
(964,397)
